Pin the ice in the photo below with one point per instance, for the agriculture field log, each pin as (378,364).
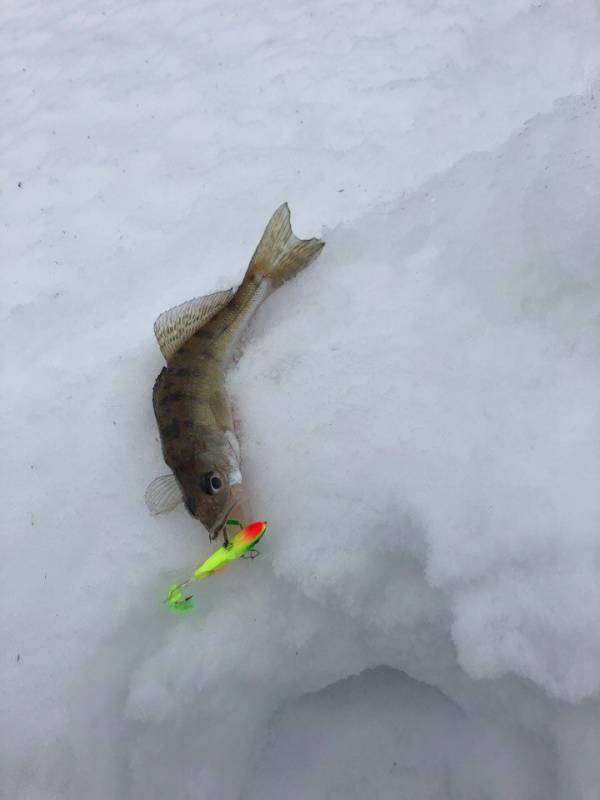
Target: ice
(419,409)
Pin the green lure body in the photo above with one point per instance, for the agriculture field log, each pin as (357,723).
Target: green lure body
(239,545)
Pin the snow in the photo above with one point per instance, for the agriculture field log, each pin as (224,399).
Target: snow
(419,409)
(418,745)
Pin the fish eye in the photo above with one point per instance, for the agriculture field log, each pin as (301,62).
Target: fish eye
(211,482)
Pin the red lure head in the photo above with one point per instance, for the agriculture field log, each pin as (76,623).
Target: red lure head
(252,533)
(249,536)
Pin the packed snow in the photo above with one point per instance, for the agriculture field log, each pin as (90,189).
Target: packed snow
(419,409)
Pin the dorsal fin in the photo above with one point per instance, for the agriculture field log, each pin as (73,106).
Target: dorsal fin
(175,326)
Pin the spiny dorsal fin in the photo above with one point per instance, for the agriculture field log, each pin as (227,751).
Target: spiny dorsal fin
(174,327)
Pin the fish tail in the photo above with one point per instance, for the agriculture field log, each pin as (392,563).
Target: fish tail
(280,255)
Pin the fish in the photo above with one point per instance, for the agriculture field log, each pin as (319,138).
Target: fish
(193,411)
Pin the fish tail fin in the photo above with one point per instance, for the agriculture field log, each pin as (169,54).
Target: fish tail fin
(280,255)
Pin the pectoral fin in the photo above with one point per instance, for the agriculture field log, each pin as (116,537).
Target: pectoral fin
(163,494)
(174,327)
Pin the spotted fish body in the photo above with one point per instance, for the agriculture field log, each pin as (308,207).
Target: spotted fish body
(191,405)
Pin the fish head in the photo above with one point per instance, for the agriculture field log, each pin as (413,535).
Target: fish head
(212,492)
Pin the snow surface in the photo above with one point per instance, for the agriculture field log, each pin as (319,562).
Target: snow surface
(420,408)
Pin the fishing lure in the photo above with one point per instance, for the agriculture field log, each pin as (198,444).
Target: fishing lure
(240,546)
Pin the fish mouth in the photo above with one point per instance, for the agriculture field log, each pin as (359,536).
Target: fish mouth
(236,507)
(221,522)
